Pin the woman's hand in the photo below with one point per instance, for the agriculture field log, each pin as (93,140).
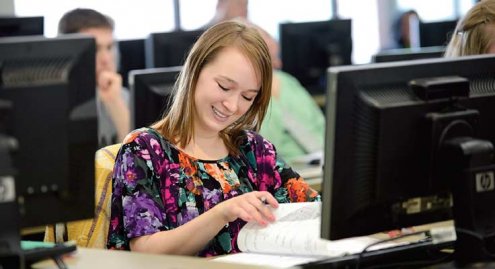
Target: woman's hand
(251,206)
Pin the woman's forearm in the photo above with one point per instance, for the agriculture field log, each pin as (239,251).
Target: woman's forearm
(187,239)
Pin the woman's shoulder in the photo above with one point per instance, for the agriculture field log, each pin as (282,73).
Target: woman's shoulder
(143,135)
(258,143)
(147,143)
(251,137)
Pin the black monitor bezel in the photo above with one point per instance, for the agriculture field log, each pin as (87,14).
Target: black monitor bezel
(436,33)
(168,49)
(308,35)
(144,100)
(394,55)
(345,86)
(47,200)
(21,26)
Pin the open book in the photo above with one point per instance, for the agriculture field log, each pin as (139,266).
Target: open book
(294,238)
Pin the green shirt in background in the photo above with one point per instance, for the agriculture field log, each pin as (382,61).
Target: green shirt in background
(294,123)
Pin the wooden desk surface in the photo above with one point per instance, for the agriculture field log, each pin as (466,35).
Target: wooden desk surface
(107,259)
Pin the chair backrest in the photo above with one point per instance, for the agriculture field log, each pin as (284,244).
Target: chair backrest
(91,233)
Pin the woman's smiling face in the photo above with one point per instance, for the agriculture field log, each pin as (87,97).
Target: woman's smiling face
(225,91)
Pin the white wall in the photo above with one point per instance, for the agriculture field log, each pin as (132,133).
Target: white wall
(7,7)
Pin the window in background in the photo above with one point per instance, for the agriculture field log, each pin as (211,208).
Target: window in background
(437,10)
(365,36)
(465,5)
(266,14)
(133,19)
(196,13)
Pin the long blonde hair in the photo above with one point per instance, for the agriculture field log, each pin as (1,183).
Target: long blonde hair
(177,124)
(474,33)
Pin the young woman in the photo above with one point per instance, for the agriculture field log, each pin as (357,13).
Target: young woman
(191,181)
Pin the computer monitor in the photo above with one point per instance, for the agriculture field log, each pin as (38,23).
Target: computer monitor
(21,26)
(309,48)
(436,33)
(170,48)
(408,54)
(49,86)
(150,93)
(131,57)
(410,143)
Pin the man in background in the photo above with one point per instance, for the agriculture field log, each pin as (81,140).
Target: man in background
(229,9)
(112,98)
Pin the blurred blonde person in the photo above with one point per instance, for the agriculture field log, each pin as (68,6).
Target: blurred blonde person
(475,32)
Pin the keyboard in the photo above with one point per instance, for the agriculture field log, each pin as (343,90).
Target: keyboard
(420,253)
(37,251)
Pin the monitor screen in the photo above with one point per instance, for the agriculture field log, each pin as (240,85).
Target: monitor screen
(20,26)
(309,48)
(170,48)
(436,33)
(49,84)
(131,57)
(393,139)
(150,93)
(408,54)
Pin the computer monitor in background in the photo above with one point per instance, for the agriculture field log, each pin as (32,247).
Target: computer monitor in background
(436,33)
(49,86)
(170,48)
(394,55)
(131,57)
(309,48)
(150,93)
(21,26)
(407,140)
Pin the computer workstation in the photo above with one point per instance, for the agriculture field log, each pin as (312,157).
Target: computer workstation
(381,85)
(436,33)
(169,48)
(150,93)
(48,138)
(309,48)
(131,57)
(406,54)
(411,143)
(21,26)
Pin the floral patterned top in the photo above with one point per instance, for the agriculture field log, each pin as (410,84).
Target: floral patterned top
(158,187)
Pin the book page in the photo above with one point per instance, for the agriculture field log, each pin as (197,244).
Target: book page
(296,231)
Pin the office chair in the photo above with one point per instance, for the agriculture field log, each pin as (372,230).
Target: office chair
(91,233)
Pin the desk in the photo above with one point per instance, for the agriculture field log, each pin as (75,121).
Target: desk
(107,259)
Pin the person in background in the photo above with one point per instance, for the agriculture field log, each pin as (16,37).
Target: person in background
(407,29)
(189,183)
(112,98)
(295,124)
(227,10)
(475,32)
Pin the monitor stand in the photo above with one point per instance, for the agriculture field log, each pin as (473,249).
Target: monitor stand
(468,164)
(10,239)
(12,253)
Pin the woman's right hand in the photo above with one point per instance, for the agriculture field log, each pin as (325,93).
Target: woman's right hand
(251,206)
